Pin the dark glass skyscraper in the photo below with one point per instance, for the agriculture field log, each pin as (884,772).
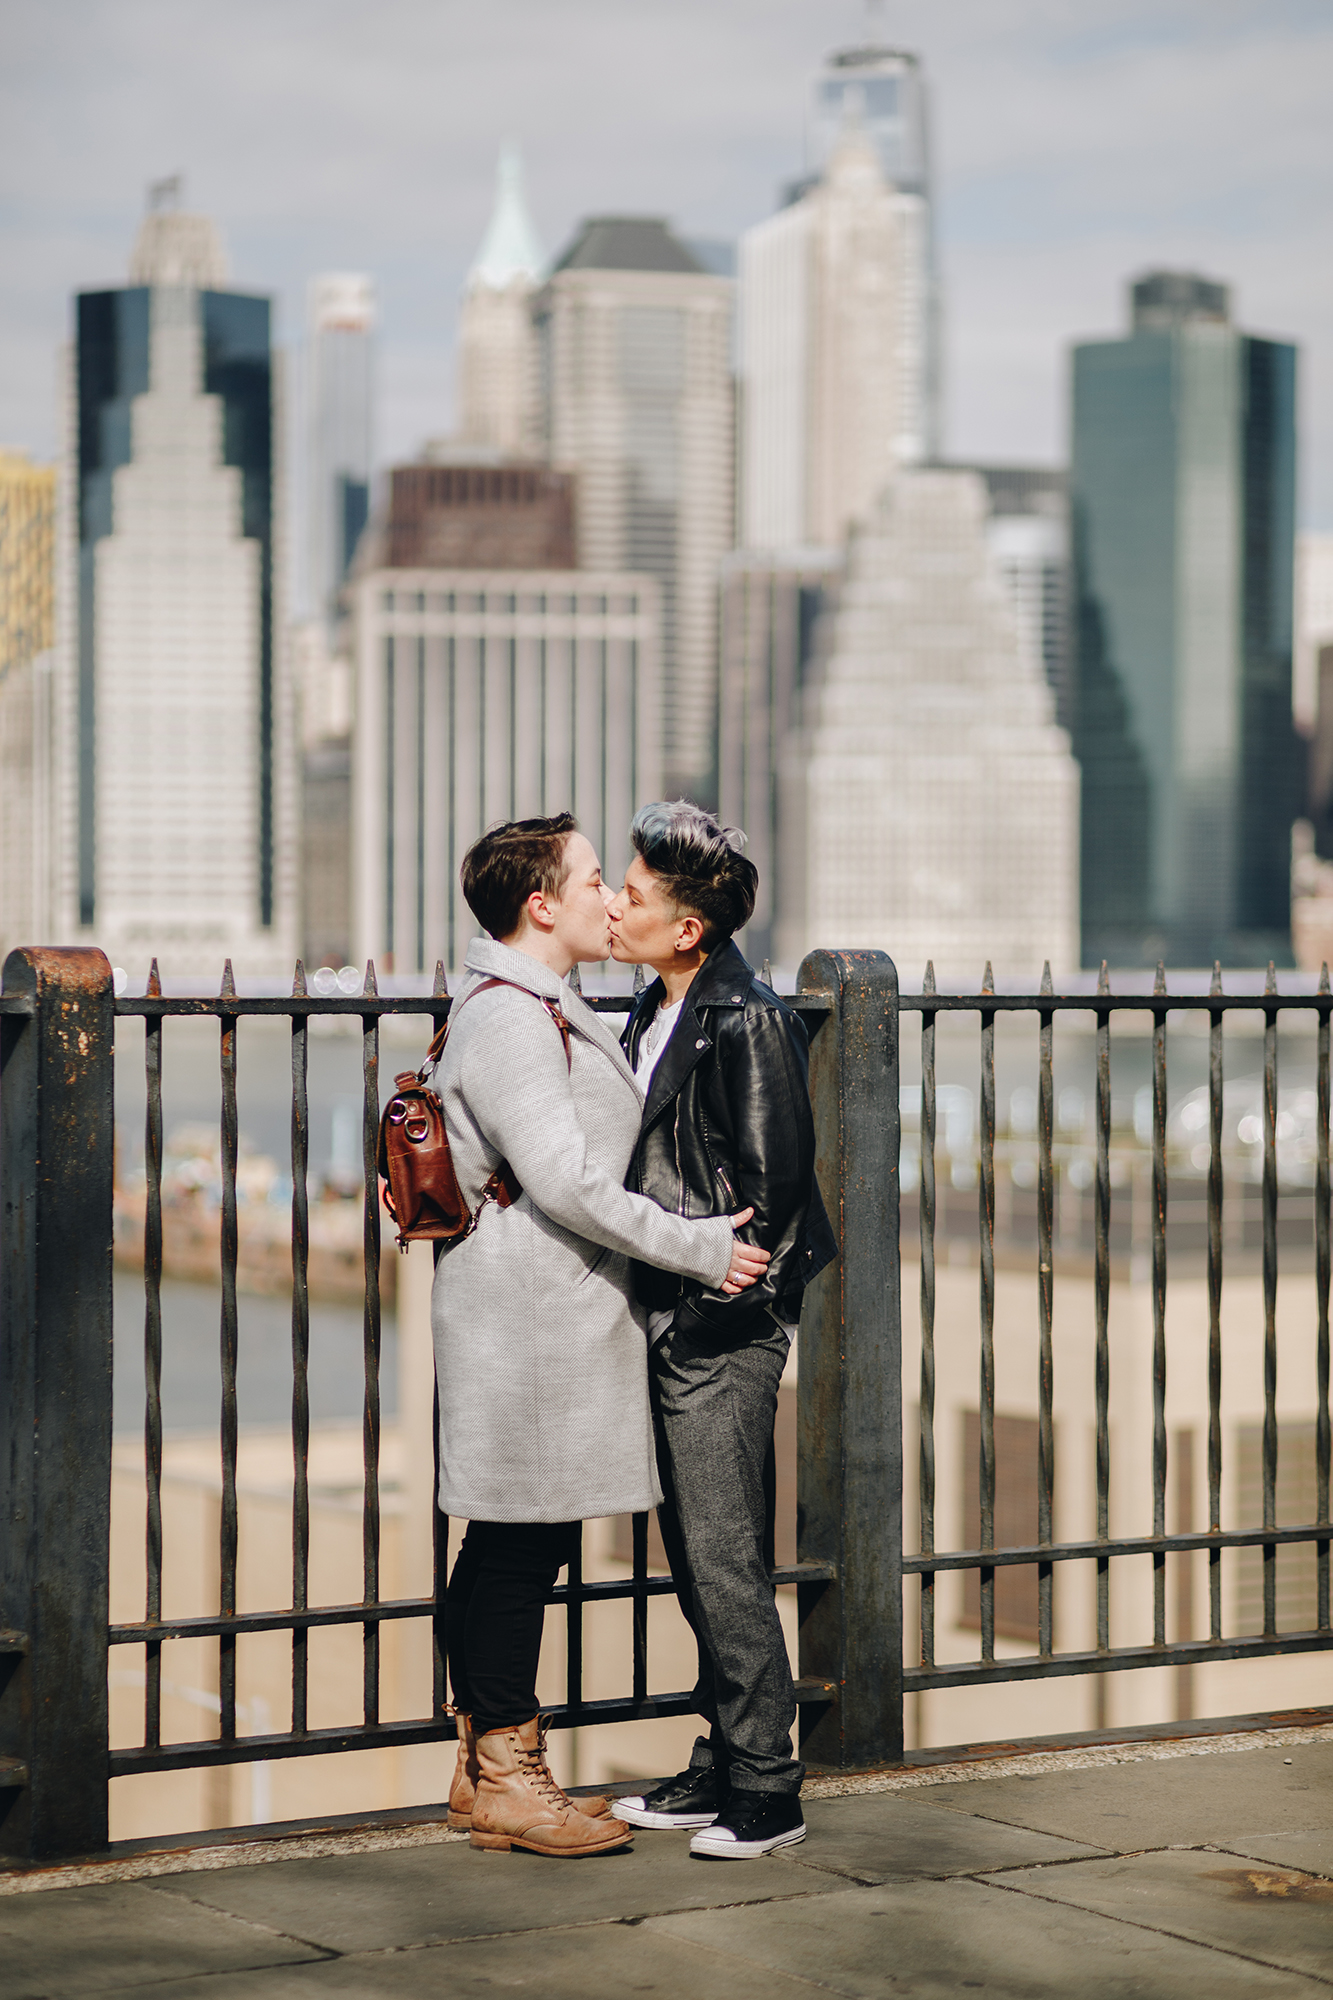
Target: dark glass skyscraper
(1183,496)
(175,685)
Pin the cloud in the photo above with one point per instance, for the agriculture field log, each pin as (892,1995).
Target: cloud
(1077,141)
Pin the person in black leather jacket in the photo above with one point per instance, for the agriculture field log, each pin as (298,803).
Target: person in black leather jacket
(726,1123)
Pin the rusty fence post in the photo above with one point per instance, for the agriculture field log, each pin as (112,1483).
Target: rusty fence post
(57,1028)
(849,1422)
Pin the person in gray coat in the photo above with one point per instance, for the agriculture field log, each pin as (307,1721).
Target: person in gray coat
(540,1346)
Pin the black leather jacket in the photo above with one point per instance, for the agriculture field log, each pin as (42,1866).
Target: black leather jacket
(727,1125)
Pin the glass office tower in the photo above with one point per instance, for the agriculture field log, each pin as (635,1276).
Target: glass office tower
(882,92)
(174,679)
(1183,492)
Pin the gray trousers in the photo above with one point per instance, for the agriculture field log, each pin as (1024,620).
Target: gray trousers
(713,1411)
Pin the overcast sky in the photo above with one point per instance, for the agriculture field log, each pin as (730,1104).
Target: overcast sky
(1075,142)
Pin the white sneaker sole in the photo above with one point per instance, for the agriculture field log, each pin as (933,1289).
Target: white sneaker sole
(717,1849)
(635,1814)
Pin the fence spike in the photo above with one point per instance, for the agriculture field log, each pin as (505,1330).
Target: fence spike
(1046,984)
(1159,983)
(1323,977)
(228,982)
(575,982)
(639,981)
(154,987)
(1216,986)
(440,990)
(298,981)
(988,979)
(1103,979)
(371,987)
(1270,980)
(928,978)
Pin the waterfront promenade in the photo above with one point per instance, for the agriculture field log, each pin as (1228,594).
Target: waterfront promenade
(1170,1869)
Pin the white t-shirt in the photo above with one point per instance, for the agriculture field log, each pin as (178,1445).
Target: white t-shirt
(655,1038)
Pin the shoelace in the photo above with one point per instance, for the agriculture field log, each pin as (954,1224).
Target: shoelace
(535,1766)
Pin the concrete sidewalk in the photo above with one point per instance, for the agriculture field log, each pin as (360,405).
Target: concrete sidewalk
(1166,1870)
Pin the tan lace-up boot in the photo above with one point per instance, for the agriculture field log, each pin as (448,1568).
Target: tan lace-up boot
(463,1789)
(519,1804)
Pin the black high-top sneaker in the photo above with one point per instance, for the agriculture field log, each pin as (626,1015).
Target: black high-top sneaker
(691,1798)
(751,1824)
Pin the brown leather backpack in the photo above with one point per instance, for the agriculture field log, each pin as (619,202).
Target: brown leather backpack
(421,1189)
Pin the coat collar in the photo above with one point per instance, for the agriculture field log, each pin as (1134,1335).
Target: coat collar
(489,959)
(723,980)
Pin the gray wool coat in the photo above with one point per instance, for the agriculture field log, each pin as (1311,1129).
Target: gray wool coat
(540,1348)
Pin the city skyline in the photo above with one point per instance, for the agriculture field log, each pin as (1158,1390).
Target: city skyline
(1059,173)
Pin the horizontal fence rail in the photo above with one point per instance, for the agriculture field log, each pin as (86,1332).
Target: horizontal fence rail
(887,1152)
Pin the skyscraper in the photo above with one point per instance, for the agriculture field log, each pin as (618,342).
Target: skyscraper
(771,607)
(172,714)
(832,362)
(882,92)
(27,625)
(339,441)
(1183,495)
(498,400)
(634,339)
(928,801)
(1028,533)
(483,695)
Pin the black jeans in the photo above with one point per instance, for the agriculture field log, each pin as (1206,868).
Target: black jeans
(495,1607)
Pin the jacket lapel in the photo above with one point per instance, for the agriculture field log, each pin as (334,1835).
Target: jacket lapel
(723,980)
(591,1027)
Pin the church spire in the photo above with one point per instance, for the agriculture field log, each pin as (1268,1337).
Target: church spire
(510,248)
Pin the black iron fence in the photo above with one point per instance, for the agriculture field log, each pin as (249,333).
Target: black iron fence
(59,1015)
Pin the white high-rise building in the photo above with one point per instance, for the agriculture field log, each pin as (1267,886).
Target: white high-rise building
(635,341)
(883,91)
(339,431)
(174,792)
(498,401)
(929,804)
(485,695)
(833,351)
(1313,622)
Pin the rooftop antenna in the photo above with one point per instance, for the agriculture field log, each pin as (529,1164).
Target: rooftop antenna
(165,194)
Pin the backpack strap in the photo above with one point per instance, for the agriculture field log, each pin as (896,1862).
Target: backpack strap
(441,1035)
(503,1187)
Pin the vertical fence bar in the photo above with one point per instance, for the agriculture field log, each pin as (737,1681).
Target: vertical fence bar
(1045,1307)
(1270,1300)
(1102,1306)
(639,1553)
(926,1449)
(1159,1197)
(986,1220)
(56,1176)
(370,1422)
(439,1526)
(1215,1198)
(1321,1203)
(152,1362)
(849,1392)
(227,1516)
(574,1628)
(300,1350)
